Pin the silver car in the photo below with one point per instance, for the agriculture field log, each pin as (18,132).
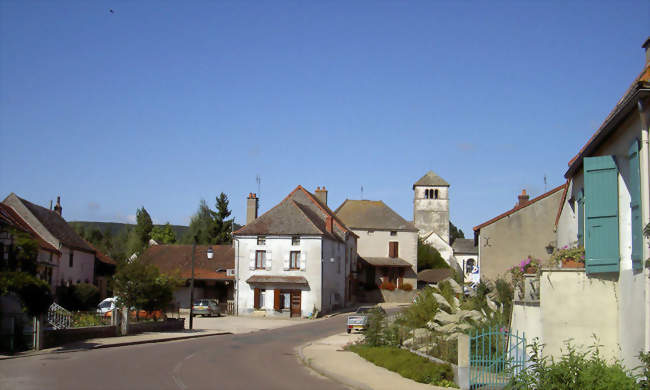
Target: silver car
(205,307)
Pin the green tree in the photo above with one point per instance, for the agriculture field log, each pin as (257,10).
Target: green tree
(375,330)
(222,226)
(163,234)
(429,257)
(454,233)
(142,286)
(201,226)
(144,225)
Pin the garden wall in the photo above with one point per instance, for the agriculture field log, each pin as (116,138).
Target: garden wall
(399,296)
(171,324)
(56,337)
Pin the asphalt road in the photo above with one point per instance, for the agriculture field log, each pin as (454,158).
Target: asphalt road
(261,360)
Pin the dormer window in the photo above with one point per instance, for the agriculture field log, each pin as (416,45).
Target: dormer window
(261,240)
(295,240)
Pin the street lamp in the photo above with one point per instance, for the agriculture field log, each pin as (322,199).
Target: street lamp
(210,254)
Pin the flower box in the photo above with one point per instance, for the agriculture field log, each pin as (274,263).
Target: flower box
(570,263)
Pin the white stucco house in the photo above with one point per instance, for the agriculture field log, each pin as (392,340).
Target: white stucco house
(76,263)
(387,243)
(295,259)
(605,206)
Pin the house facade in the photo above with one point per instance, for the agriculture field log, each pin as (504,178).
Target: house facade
(294,260)
(528,229)
(466,254)
(387,243)
(604,210)
(76,264)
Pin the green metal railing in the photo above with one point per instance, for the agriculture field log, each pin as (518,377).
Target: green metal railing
(496,355)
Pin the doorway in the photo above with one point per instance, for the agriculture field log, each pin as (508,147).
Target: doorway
(295,303)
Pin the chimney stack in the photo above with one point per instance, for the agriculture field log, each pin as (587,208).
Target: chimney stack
(646,46)
(252,204)
(321,195)
(57,208)
(523,198)
(329,224)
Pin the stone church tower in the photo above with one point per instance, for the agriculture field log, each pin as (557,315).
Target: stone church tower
(431,206)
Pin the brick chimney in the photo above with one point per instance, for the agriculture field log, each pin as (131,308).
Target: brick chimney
(523,198)
(646,46)
(57,208)
(252,204)
(321,195)
(329,224)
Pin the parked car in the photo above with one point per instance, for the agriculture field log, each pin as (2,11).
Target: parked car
(206,307)
(359,320)
(106,307)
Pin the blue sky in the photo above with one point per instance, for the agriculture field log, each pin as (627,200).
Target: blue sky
(162,104)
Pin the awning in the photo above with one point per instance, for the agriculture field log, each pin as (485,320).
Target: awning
(277,279)
(387,262)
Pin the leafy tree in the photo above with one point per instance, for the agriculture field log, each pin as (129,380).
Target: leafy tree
(82,296)
(142,286)
(144,225)
(34,293)
(454,233)
(163,234)
(201,226)
(375,330)
(222,226)
(429,257)
(23,253)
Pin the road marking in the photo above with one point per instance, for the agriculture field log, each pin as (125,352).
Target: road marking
(177,370)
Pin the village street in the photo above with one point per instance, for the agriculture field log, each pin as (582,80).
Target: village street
(264,360)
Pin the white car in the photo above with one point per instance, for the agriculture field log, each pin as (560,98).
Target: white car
(106,305)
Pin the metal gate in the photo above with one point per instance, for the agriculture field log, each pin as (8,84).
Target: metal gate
(495,356)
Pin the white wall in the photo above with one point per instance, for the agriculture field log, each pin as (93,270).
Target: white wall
(461,259)
(375,244)
(82,270)
(279,246)
(527,319)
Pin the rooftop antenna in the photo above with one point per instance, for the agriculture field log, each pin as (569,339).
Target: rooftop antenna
(545,183)
(258,180)
(361,192)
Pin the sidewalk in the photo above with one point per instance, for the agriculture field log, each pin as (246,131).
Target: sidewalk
(327,357)
(109,342)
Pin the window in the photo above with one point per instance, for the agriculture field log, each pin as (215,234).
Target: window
(635,206)
(294,260)
(295,240)
(393,249)
(261,240)
(260,259)
(426,194)
(71,260)
(435,194)
(393,233)
(469,266)
(371,232)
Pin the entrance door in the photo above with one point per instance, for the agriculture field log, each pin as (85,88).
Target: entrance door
(295,303)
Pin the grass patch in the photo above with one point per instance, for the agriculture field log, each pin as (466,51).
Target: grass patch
(407,364)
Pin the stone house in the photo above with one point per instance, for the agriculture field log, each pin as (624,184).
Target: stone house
(213,278)
(294,260)
(466,254)
(605,208)
(76,264)
(387,245)
(528,229)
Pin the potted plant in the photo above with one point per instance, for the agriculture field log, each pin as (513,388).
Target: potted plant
(567,257)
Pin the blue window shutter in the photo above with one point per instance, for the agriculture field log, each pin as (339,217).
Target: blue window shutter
(635,205)
(601,209)
(581,218)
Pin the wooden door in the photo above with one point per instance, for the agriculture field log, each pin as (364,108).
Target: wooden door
(295,303)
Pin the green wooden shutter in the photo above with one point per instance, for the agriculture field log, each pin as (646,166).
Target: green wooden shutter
(635,205)
(601,209)
(581,218)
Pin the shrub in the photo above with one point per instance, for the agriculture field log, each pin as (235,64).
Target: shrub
(405,363)
(34,293)
(375,330)
(386,285)
(429,257)
(87,319)
(407,287)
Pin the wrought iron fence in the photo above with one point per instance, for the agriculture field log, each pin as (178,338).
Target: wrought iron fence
(58,316)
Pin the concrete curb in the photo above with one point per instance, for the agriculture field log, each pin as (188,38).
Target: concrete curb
(112,345)
(344,380)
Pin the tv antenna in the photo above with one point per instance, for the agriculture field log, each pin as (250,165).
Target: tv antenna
(258,180)
(361,192)
(545,183)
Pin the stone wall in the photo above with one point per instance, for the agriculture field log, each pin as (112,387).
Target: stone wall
(171,324)
(56,337)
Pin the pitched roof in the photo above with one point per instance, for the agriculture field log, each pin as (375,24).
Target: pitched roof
(372,214)
(10,217)
(622,107)
(386,261)
(465,245)
(171,259)
(299,213)
(519,207)
(431,179)
(435,275)
(57,226)
(100,256)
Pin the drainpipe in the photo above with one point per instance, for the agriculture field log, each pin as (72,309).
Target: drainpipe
(644,157)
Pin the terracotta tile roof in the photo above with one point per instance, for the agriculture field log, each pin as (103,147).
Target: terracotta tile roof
(641,82)
(177,259)
(431,179)
(57,226)
(519,207)
(277,279)
(372,214)
(100,256)
(436,275)
(10,217)
(298,213)
(386,261)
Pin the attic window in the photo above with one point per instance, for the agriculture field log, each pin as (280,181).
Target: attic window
(261,240)
(295,240)
(393,233)
(371,232)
